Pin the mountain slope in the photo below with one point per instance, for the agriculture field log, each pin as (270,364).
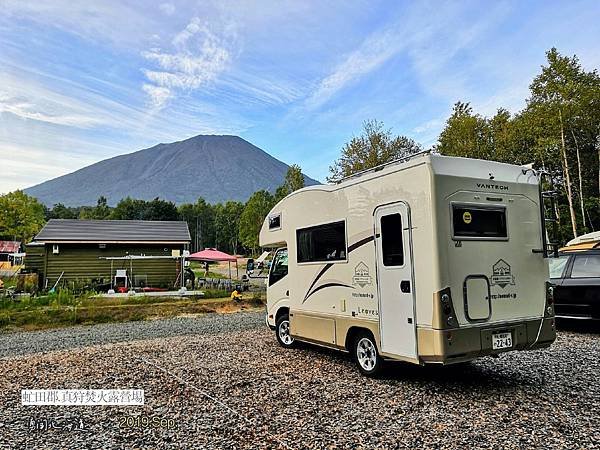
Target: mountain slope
(217,168)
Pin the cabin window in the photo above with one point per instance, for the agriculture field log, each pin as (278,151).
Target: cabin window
(322,243)
(477,222)
(279,267)
(275,222)
(392,249)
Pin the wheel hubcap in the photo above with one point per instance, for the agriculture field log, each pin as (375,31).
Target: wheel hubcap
(284,332)
(366,354)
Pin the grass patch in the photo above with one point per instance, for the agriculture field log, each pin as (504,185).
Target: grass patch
(65,309)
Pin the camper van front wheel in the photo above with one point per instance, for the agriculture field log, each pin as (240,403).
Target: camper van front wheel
(282,331)
(365,353)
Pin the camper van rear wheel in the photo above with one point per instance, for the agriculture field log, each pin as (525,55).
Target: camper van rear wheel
(366,355)
(282,331)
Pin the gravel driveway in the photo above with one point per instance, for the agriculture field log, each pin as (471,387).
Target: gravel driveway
(226,384)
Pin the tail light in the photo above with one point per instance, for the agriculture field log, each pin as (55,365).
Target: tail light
(549,309)
(444,315)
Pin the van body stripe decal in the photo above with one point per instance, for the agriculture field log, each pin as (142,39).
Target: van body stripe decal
(360,243)
(326,285)
(330,265)
(318,277)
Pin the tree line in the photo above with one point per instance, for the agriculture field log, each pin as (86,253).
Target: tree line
(558,132)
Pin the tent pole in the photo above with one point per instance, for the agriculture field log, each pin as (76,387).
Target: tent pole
(237,270)
(229,264)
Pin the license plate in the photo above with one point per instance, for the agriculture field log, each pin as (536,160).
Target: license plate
(501,340)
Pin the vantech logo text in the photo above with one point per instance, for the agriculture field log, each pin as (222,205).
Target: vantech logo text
(497,187)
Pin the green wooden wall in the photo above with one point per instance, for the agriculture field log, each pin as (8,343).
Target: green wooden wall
(81,262)
(34,259)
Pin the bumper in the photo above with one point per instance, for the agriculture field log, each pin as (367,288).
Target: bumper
(268,321)
(463,344)
(577,310)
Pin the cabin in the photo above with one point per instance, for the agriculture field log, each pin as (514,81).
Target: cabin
(429,260)
(138,253)
(9,251)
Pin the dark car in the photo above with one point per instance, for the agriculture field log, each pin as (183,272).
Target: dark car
(576,279)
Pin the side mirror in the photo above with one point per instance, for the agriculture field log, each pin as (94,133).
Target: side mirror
(250,265)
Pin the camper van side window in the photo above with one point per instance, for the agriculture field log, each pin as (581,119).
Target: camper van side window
(322,243)
(477,222)
(391,240)
(275,222)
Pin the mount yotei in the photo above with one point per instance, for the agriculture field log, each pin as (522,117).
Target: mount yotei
(217,168)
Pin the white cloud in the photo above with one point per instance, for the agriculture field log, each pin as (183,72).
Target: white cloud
(158,95)
(28,100)
(167,8)
(373,52)
(120,23)
(433,124)
(199,57)
(26,109)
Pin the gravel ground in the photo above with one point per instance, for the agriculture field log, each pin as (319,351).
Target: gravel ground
(224,386)
(23,343)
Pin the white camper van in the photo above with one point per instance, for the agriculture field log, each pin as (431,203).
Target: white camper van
(432,260)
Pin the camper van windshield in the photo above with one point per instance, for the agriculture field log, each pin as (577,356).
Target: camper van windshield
(322,243)
(279,268)
(477,222)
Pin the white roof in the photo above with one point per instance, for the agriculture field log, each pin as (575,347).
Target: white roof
(590,237)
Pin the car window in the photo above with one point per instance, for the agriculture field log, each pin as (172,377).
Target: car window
(586,266)
(557,266)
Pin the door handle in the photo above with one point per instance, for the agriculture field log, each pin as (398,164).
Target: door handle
(405,286)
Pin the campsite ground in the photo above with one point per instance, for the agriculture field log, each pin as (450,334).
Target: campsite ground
(221,381)
(65,308)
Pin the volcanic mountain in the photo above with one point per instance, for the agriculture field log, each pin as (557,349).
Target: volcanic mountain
(217,168)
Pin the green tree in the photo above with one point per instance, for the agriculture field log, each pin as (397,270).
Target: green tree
(200,217)
(135,209)
(252,217)
(294,180)
(21,216)
(466,134)
(158,209)
(129,209)
(99,212)
(60,211)
(227,218)
(375,146)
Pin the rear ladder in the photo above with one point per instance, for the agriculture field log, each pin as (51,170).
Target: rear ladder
(548,203)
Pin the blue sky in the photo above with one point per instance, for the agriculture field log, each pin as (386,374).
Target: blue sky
(83,81)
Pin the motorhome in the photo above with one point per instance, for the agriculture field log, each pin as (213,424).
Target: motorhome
(433,259)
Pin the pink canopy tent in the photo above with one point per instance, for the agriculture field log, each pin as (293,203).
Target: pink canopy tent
(212,254)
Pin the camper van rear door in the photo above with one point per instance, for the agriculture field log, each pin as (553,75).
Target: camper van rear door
(394,279)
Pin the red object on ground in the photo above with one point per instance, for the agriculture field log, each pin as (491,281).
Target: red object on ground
(122,290)
(211,254)
(151,289)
